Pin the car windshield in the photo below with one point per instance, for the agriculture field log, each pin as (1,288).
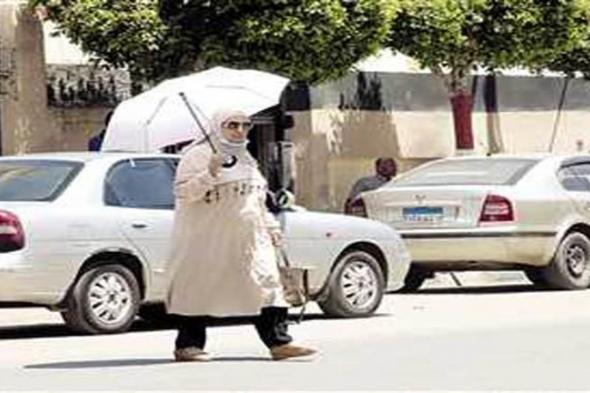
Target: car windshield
(35,180)
(468,172)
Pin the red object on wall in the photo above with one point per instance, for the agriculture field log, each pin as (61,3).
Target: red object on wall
(462,104)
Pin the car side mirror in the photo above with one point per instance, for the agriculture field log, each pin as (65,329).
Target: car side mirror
(285,199)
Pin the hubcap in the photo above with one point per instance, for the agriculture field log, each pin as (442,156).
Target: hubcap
(576,259)
(109,298)
(359,284)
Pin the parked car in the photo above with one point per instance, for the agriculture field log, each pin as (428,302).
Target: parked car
(87,234)
(530,213)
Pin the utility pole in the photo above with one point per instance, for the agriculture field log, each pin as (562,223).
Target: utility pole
(6,69)
(4,75)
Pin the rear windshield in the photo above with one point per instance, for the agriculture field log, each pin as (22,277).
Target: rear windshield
(35,180)
(468,172)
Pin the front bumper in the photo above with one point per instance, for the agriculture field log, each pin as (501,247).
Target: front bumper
(484,245)
(399,259)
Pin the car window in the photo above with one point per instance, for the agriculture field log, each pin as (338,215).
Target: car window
(141,183)
(575,177)
(467,172)
(35,180)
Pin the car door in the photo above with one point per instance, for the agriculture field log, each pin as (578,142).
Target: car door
(576,181)
(141,191)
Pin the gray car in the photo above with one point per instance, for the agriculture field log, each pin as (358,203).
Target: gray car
(519,212)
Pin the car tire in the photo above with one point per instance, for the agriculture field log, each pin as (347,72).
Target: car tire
(570,267)
(536,276)
(105,299)
(355,287)
(414,279)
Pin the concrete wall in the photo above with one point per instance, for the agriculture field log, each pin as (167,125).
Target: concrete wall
(76,126)
(342,127)
(26,125)
(29,122)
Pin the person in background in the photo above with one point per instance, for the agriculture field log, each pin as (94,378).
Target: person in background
(95,142)
(385,170)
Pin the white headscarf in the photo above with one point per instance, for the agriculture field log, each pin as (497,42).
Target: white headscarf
(246,166)
(224,145)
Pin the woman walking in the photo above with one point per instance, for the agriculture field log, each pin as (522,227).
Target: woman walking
(223,248)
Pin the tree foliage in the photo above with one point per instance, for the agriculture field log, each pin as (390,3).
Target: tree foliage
(121,33)
(453,37)
(307,40)
(574,62)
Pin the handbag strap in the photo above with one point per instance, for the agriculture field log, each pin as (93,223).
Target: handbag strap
(284,256)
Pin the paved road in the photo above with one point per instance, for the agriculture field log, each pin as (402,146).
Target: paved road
(488,337)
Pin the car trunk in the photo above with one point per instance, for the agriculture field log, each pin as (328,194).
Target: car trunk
(427,207)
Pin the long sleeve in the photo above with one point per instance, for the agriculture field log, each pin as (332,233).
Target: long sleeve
(193,179)
(270,222)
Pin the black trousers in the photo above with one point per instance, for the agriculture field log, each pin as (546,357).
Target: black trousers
(271,326)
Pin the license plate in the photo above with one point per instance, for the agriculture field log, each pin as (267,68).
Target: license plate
(422,214)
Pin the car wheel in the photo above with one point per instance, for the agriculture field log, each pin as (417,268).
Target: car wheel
(355,286)
(570,267)
(414,279)
(536,276)
(104,299)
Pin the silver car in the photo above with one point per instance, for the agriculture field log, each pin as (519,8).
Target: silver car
(87,234)
(529,213)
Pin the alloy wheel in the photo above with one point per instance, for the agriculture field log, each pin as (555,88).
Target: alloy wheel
(109,298)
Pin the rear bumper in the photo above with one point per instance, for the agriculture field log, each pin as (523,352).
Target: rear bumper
(21,281)
(491,246)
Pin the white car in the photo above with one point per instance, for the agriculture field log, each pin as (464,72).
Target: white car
(530,213)
(87,234)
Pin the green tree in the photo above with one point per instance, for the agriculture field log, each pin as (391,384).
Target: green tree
(127,33)
(307,40)
(455,37)
(574,62)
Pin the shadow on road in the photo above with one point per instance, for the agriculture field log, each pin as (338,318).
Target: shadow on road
(479,290)
(148,362)
(17,332)
(61,330)
(101,364)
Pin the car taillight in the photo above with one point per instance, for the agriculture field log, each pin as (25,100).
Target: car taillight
(496,208)
(12,236)
(358,208)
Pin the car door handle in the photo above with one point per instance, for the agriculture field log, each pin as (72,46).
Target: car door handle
(139,225)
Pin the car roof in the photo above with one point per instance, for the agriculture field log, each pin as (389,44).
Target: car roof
(527,156)
(84,157)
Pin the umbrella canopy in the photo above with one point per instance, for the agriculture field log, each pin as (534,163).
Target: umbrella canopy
(165,115)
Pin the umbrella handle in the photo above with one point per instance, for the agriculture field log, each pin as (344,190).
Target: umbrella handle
(196,118)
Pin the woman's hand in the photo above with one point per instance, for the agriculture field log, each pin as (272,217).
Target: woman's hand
(215,163)
(276,236)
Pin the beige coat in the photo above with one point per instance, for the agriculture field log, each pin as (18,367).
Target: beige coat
(222,261)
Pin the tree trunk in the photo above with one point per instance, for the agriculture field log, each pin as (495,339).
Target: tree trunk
(490,98)
(462,105)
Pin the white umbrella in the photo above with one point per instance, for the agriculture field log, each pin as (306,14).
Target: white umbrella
(175,110)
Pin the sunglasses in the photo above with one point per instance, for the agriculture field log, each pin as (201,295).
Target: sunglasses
(234,125)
